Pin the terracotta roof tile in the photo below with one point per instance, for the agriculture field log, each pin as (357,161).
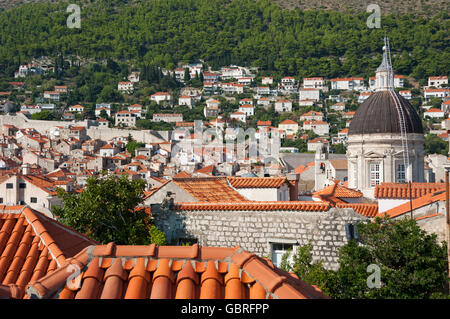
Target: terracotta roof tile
(32,245)
(215,273)
(338,191)
(415,204)
(255,206)
(256,182)
(401,191)
(210,189)
(368,210)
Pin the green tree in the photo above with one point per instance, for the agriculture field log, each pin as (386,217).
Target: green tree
(106,211)
(435,145)
(412,264)
(43,115)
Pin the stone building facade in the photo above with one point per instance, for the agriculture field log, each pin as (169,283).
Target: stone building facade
(260,231)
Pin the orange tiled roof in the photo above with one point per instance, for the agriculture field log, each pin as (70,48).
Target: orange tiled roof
(182,174)
(368,210)
(424,200)
(401,191)
(31,245)
(256,182)
(255,205)
(209,189)
(168,272)
(338,191)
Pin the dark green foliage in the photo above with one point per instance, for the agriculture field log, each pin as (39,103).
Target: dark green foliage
(413,265)
(258,33)
(43,115)
(435,145)
(105,212)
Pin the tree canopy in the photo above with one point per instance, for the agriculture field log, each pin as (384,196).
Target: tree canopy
(106,212)
(243,32)
(411,262)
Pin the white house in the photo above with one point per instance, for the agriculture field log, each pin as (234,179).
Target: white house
(289,127)
(186,100)
(317,142)
(406,94)
(436,93)
(312,116)
(52,95)
(125,118)
(245,81)
(213,103)
(363,96)
(76,108)
(314,83)
(246,101)
(264,101)
(263,90)
(434,113)
(267,80)
(125,87)
(161,97)
(309,94)
(108,150)
(232,88)
(283,106)
(356,84)
(319,127)
(248,109)
(437,80)
(338,107)
(306,102)
(240,116)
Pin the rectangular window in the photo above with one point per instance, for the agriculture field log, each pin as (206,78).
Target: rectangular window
(22,185)
(33,199)
(374,174)
(401,173)
(9,185)
(1,200)
(278,251)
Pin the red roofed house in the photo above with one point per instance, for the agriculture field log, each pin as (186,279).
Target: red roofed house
(319,127)
(317,142)
(125,87)
(437,81)
(161,97)
(434,113)
(356,84)
(427,207)
(312,116)
(391,195)
(289,127)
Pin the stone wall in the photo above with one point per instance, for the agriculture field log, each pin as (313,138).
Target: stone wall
(93,132)
(255,231)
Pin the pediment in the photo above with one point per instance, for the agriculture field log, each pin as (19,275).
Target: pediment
(373,154)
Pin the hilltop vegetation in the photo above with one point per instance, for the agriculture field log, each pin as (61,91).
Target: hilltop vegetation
(244,32)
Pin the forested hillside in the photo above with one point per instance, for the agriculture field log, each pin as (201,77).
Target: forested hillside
(244,32)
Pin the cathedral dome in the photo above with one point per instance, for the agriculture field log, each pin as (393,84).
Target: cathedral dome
(378,114)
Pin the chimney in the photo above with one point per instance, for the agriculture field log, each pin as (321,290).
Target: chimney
(25,169)
(293,180)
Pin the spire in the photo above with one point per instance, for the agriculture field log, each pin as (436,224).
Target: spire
(385,72)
